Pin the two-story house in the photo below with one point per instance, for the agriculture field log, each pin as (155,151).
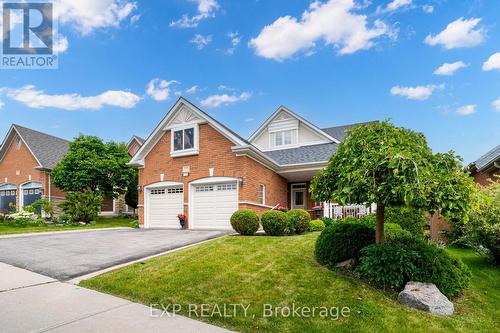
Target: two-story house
(191,164)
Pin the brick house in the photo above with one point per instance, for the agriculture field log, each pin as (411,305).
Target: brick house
(193,165)
(26,160)
(484,170)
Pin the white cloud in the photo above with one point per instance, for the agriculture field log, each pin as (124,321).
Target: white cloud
(249,120)
(459,33)
(428,9)
(492,63)
(89,15)
(235,41)
(224,99)
(201,41)
(396,4)
(2,104)
(192,90)
(495,104)
(60,44)
(34,98)
(467,109)
(135,18)
(449,68)
(206,9)
(335,22)
(416,93)
(158,89)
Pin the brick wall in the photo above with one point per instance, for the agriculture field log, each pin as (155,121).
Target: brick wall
(214,152)
(484,178)
(438,225)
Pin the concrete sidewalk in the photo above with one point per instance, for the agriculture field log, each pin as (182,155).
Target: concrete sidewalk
(35,303)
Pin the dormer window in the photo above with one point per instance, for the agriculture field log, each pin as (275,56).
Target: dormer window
(184,141)
(284,138)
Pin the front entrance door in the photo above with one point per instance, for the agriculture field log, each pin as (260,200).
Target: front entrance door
(298,196)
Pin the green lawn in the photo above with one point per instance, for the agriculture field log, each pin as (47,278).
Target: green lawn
(100,223)
(281,271)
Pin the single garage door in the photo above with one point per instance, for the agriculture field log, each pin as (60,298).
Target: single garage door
(213,205)
(164,204)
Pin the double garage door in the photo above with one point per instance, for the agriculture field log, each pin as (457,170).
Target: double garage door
(211,206)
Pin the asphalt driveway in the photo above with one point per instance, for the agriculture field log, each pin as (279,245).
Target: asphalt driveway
(67,255)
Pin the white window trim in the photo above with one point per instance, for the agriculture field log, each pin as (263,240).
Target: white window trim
(185,152)
(272,143)
(263,198)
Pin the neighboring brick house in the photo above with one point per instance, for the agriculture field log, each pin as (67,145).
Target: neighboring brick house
(26,160)
(484,170)
(134,144)
(193,165)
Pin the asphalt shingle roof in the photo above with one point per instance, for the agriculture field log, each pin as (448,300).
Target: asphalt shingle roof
(340,132)
(313,153)
(48,149)
(488,158)
(138,138)
(304,154)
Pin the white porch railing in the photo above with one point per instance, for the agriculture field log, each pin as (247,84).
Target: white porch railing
(334,211)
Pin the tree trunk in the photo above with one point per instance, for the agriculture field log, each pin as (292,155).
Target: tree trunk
(379,230)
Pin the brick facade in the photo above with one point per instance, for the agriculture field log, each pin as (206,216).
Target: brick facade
(18,166)
(214,152)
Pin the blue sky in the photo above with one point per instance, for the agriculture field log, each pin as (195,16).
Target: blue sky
(123,64)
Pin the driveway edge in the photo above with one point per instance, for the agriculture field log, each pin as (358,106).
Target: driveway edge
(43,233)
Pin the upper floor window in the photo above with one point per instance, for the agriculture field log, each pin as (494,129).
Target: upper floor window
(18,143)
(184,141)
(284,138)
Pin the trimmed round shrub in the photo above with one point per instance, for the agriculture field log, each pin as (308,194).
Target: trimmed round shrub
(245,222)
(297,221)
(316,225)
(411,219)
(343,240)
(328,221)
(408,258)
(274,223)
(393,231)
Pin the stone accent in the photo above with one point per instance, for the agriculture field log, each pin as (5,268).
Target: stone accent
(349,263)
(426,297)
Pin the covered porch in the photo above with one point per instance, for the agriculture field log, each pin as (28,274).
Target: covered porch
(299,197)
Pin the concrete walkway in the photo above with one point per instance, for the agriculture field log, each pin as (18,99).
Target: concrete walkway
(31,302)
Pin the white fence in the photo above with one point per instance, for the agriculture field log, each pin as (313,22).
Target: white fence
(334,211)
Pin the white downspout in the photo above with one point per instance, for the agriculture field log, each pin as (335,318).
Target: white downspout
(50,188)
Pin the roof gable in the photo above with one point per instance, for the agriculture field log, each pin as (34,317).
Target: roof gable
(283,114)
(182,112)
(47,149)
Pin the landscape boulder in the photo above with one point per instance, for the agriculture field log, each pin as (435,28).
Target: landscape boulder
(426,297)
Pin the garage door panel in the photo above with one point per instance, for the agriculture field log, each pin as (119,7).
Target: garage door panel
(213,205)
(164,204)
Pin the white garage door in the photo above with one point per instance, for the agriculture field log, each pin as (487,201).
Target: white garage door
(213,205)
(164,205)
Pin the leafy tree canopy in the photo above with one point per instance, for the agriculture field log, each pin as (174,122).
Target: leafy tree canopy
(91,164)
(393,166)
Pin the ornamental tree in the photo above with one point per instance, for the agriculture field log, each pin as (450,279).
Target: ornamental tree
(393,166)
(132,194)
(91,164)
